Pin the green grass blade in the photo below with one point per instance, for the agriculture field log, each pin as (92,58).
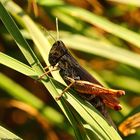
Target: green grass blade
(100,127)
(94,19)
(102,49)
(17,65)
(103,23)
(124,82)
(7,135)
(128,2)
(7,85)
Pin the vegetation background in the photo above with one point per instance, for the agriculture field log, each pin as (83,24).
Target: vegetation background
(104,37)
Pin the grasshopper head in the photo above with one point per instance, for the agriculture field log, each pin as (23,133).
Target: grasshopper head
(57,51)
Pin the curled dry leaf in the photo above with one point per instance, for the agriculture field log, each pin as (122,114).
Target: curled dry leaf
(130,125)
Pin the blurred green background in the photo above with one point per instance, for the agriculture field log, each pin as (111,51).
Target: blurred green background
(104,37)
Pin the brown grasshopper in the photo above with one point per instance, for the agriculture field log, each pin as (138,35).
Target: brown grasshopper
(80,80)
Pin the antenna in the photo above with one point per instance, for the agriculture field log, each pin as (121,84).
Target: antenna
(57,30)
